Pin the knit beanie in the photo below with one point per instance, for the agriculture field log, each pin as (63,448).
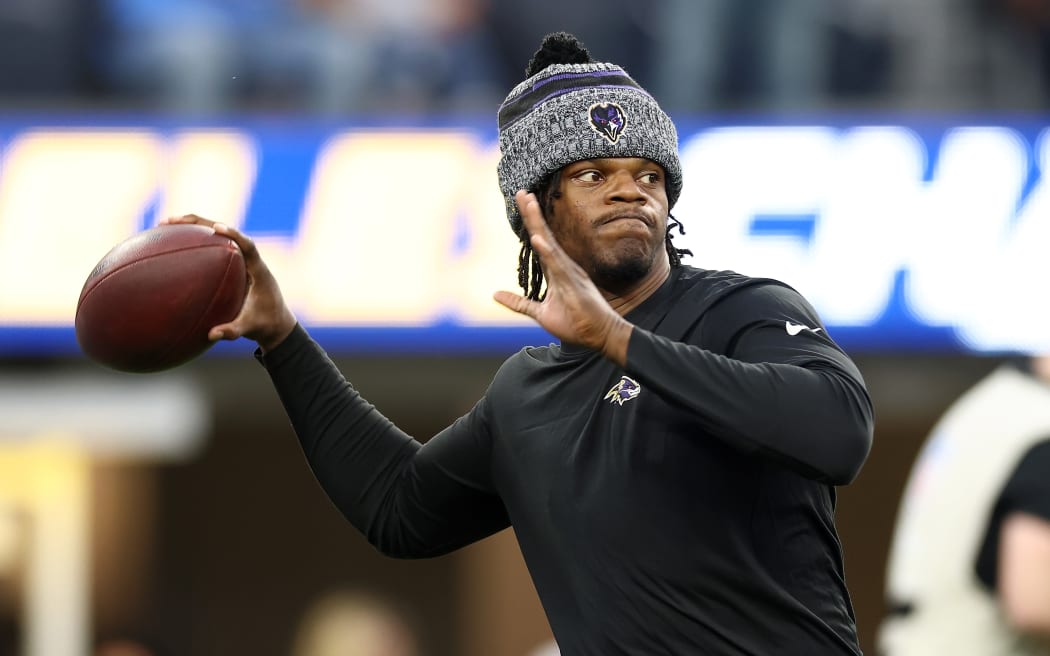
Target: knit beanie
(574,109)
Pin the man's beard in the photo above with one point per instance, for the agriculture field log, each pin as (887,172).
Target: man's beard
(620,275)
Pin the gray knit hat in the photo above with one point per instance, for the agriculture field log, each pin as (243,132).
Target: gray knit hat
(570,112)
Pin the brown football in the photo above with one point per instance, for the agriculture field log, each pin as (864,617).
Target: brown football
(149,303)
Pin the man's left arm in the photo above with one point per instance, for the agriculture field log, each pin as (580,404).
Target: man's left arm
(766,378)
(799,400)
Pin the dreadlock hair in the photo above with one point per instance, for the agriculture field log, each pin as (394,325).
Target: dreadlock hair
(674,255)
(530,270)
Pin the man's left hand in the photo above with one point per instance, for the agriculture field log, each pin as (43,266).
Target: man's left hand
(573,310)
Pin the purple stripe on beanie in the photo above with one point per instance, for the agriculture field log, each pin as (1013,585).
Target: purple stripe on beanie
(564,76)
(562,92)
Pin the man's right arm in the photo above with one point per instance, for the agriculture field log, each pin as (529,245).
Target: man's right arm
(410,500)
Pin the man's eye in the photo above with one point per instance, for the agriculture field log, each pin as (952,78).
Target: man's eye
(650,178)
(589,176)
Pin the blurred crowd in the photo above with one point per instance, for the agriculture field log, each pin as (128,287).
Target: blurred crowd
(340,57)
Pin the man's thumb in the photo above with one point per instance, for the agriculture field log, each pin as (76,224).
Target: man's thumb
(515,302)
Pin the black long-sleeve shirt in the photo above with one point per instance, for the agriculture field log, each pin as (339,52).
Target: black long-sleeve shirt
(681,504)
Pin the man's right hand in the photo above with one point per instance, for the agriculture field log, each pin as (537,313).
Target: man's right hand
(265,317)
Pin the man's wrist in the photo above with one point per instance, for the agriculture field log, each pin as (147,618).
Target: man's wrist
(616,342)
(270,342)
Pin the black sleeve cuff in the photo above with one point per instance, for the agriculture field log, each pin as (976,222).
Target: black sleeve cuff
(291,345)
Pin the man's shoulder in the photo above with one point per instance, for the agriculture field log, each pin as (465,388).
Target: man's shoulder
(529,357)
(710,285)
(710,278)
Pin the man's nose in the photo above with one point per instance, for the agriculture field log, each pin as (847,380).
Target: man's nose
(623,187)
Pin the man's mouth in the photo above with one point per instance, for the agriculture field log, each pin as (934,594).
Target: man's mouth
(630,216)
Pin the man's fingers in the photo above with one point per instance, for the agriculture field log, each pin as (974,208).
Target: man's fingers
(188,218)
(242,240)
(516,302)
(532,215)
(540,235)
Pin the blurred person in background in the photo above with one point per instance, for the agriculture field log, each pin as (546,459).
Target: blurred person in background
(326,57)
(759,54)
(546,649)
(127,646)
(969,568)
(669,466)
(350,623)
(427,55)
(626,28)
(206,56)
(1031,19)
(41,50)
(769,55)
(968,55)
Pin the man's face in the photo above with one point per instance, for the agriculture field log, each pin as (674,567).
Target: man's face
(611,218)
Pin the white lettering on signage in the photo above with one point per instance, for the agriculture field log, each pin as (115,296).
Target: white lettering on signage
(382,214)
(66,197)
(211,174)
(1006,302)
(407,227)
(973,260)
(377,243)
(857,187)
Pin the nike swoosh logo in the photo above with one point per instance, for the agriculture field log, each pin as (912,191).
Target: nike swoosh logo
(795,328)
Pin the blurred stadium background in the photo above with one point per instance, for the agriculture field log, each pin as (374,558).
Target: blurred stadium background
(883,156)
